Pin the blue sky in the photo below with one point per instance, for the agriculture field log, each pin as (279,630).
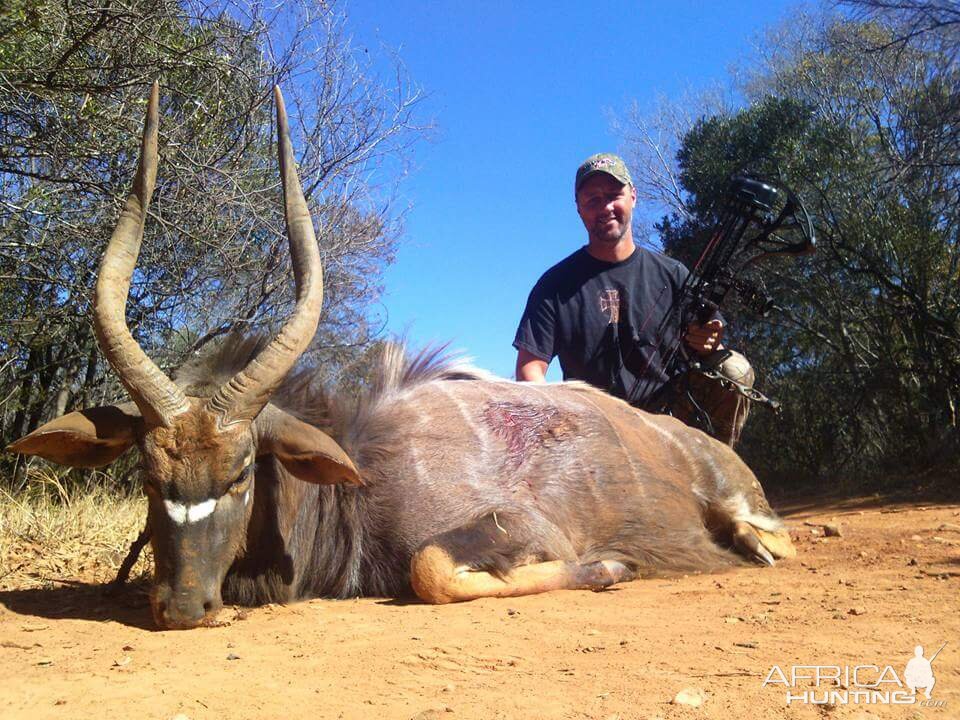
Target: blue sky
(521,93)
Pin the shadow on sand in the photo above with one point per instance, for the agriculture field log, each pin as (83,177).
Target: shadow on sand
(84,601)
(801,504)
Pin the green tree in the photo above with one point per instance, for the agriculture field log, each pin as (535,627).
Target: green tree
(866,355)
(74,78)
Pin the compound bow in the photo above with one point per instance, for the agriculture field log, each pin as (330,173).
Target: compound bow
(767,209)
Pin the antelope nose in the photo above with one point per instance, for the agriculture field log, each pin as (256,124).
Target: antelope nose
(182,610)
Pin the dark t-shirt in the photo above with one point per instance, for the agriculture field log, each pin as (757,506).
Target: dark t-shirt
(609,323)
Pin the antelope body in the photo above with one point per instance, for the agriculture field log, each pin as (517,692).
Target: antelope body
(438,478)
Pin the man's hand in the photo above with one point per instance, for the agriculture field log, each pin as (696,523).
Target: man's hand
(704,339)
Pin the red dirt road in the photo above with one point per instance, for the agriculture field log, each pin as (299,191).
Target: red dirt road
(890,582)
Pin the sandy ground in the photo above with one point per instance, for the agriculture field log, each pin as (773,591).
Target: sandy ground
(889,583)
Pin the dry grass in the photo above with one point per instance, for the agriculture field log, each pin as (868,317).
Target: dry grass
(51,534)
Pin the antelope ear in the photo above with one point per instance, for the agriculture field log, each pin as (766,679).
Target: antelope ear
(308,453)
(87,438)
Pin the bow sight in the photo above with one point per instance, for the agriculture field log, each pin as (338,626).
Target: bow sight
(759,218)
(750,202)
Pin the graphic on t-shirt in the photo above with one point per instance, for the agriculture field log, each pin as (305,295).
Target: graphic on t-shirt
(610,305)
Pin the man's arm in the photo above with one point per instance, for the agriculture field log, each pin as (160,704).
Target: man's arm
(530,368)
(536,331)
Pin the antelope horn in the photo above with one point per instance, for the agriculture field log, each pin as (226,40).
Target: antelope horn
(243,397)
(158,399)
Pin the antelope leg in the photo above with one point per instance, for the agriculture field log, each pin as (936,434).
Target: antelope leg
(491,557)
(130,560)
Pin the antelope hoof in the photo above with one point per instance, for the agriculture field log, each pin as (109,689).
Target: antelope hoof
(762,545)
(746,539)
(778,543)
(600,575)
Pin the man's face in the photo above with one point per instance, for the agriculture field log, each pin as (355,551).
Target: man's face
(606,208)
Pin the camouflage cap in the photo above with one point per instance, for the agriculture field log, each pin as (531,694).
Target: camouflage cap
(607,163)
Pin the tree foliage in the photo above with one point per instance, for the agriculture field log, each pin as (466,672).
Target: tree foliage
(74,78)
(862,118)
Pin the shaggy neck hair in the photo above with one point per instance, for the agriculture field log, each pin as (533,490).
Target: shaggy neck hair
(316,540)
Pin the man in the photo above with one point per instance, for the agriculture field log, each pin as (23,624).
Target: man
(609,312)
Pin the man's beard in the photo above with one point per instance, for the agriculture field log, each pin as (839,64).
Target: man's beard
(613,236)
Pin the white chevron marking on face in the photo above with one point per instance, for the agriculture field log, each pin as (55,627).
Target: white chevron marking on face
(176,511)
(182,513)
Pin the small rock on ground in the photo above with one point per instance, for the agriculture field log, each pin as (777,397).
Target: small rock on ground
(691,697)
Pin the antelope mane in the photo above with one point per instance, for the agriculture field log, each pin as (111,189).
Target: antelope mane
(343,406)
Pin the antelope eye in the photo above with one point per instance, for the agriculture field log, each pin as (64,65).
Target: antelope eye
(242,482)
